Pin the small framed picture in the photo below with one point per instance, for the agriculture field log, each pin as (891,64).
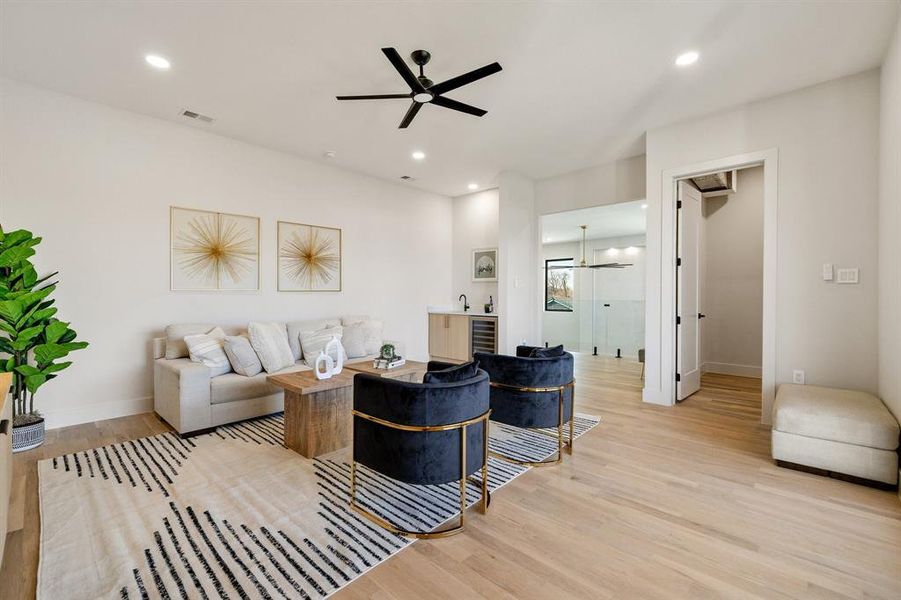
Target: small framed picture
(484,264)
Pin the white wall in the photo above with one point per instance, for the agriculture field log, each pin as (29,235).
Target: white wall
(609,183)
(517,262)
(97,184)
(731,278)
(890,228)
(826,137)
(475,224)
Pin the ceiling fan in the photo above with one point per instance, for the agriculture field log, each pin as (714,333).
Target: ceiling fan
(583,264)
(423,90)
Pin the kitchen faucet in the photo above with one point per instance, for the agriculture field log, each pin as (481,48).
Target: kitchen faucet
(465,302)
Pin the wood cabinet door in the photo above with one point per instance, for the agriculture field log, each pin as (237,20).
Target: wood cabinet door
(458,338)
(438,326)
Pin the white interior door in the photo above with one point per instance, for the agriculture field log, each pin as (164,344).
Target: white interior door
(688,346)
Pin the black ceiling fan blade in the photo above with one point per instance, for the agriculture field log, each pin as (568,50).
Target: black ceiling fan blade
(411,112)
(403,69)
(454,105)
(461,80)
(373,97)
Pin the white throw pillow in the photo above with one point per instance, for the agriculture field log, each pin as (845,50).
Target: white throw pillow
(206,349)
(363,338)
(372,336)
(353,319)
(313,342)
(270,340)
(241,355)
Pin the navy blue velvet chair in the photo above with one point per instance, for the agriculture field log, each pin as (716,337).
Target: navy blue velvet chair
(533,393)
(423,434)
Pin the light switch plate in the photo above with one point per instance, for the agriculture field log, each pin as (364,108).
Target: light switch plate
(798,376)
(827,271)
(848,275)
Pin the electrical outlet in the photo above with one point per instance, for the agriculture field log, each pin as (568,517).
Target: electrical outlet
(798,376)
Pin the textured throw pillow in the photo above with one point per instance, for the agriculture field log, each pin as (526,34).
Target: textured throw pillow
(363,338)
(206,349)
(270,341)
(453,374)
(175,337)
(552,352)
(241,355)
(313,342)
(296,327)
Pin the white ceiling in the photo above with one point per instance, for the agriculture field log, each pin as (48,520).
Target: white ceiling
(612,220)
(582,81)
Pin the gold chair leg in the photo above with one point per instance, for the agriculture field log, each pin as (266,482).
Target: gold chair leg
(485,468)
(572,420)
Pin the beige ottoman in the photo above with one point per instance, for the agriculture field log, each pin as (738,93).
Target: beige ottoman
(843,431)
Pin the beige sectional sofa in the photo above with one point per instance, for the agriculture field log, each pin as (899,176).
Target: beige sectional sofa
(187,397)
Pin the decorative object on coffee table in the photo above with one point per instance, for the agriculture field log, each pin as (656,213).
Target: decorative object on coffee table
(411,370)
(213,251)
(309,258)
(33,338)
(317,411)
(484,264)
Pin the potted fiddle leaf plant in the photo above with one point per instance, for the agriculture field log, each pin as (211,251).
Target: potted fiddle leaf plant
(33,341)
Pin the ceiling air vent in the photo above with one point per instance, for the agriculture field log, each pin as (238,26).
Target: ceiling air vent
(197,116)
(717,184)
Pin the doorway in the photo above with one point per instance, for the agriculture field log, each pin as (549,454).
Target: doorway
(593,270)
(719,283)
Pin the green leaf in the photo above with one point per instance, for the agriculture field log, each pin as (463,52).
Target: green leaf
(33,382)
(11,310)
(55,330)
(42,314)
(27,370)
(47,353)
(29,333)
(13,256)
(73,346)
(56,367)
(16,237)
(10,365)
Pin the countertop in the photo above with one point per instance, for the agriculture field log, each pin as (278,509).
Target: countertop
(470,313)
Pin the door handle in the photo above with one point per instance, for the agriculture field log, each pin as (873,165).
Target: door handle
(701,315)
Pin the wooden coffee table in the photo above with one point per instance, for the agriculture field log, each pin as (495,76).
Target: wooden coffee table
(412,370)
(317,411)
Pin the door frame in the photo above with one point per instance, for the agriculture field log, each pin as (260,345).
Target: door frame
(769,159)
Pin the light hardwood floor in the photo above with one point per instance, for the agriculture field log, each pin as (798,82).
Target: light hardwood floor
(656,502)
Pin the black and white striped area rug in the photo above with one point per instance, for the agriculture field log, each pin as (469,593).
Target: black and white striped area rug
(234,514)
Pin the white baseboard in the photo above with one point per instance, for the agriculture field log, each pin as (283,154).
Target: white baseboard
(731,369)
(97,412)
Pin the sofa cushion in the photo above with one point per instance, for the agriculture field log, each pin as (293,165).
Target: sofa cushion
(206,349)
(233,387)
(175,337)
(270,340)
(453,374)
(847,416)
(362,338)
(242,356)
(296,327)
(552,352)
(313,342)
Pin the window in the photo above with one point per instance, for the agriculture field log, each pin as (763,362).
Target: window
(558,285)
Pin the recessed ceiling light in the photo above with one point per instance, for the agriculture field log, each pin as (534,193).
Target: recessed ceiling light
(157,61)
(687,58)
(418,155)
(644,205)
(473,186)
(329,154)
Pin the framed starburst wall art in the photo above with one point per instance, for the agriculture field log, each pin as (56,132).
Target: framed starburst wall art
(214,251)
(309,258)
